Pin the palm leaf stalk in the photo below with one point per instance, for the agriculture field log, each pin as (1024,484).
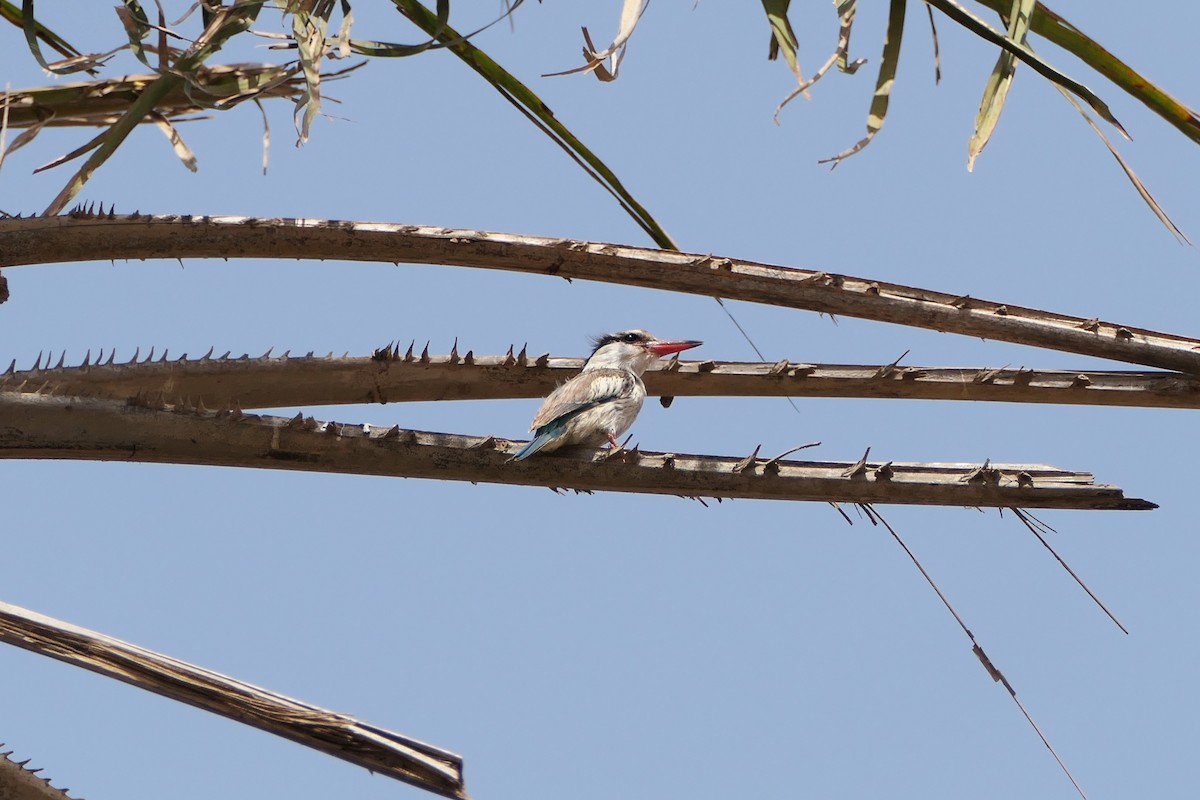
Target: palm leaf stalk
(106,236)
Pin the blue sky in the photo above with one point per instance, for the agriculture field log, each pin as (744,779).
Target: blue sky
(588,646)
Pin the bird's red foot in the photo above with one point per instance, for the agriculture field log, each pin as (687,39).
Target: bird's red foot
(616,449)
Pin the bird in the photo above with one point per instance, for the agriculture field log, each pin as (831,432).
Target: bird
(601,402)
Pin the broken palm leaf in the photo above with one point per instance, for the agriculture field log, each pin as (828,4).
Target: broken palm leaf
(1129,173)
(86,147)
(227,22)
(537,112)
(225,86)
(22,139)
(393,50)
(165,52)
(181,149)
(980,28)
(309,33)
(1062,33)
(112,138)
(137,27)
(14,15)
(309,36)
(883,84)
(74,61)
(343,34)
(101,102)
(266,140)
(219,90)
(374,49)
(783,37)
(846,10)
(631,13)
(999,82)
(937,56)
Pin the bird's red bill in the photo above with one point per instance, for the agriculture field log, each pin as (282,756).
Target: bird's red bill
(667,348)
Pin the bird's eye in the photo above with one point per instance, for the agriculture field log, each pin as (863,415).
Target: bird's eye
(630,337)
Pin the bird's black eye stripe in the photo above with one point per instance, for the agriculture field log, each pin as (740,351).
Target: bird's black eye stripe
(628,337)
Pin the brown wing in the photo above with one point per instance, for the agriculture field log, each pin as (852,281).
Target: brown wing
(585,390)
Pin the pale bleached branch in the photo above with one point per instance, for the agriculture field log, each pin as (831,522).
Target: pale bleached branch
(91,237)
(41,426)
(379,750)
(394,375)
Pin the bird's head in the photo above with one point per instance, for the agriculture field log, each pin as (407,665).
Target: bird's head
(633,350)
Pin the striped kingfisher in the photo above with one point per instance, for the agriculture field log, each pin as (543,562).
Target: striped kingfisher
(601,402)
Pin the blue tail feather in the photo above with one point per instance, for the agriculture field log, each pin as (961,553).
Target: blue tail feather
(541,440)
